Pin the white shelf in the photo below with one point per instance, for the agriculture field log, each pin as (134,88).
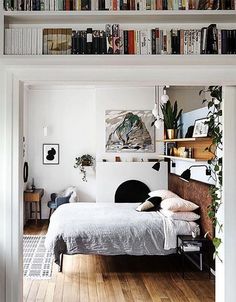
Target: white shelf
(190,139)
(181,158)
(122,60)
(93,17)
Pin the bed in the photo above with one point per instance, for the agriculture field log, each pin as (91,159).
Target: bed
(111,229)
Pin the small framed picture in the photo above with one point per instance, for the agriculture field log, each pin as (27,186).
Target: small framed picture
(51,154)
(201,128)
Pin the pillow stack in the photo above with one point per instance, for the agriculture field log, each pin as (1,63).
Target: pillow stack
(174,207)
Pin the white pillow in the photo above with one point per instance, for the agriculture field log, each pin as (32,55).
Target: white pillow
(74,190)
(163,194)
(177,204)
(186,216)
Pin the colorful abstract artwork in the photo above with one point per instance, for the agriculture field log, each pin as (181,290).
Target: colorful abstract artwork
(129,131)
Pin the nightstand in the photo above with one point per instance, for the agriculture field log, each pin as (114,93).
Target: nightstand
(34,198)
(197,250)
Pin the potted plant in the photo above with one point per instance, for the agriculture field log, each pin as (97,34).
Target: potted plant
(171,118)
(83,161)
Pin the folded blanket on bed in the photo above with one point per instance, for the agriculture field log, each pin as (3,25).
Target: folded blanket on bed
(111,229)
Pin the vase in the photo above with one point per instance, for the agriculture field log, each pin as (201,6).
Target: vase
(171,133)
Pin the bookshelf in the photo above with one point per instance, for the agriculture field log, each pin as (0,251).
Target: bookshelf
(93,17)
(198,146)
(128,19)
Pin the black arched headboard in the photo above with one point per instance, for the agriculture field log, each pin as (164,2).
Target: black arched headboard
(131,191)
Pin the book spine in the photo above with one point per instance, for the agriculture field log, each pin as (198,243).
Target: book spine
(153,41)
(131,42)
(144,42)
(96,35)
(126,50)
(115,38)
(121,42)
(108,30)
(8,44)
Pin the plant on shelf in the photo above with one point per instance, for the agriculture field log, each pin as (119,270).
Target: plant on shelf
(171,118)
(83,161)
(216,133)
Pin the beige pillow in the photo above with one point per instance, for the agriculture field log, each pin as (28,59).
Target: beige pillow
(177,204)
(163,194)
(186,216)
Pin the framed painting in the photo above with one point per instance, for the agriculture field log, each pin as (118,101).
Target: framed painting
(51,154)
(129,131)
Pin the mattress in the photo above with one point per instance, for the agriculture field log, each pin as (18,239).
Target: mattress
(111,229)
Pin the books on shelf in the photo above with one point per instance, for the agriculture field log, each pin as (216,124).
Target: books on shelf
(191,247)
(114,5)
(23,41)
(115,40)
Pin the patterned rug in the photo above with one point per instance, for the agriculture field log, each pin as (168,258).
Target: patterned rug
(37,260)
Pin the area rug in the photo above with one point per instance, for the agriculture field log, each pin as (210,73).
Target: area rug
(37,261)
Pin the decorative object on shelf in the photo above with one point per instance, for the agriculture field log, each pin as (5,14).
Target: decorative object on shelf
(117,159)
(104,160)
(201,128)
(156,110)
(129,131)
(196,231)
(51,154)
(82,162)
(216,163)
(25,172)
(186,175)
(171,118)
(164,98)
(189,132)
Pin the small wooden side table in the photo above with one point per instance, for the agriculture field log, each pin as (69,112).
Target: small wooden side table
(34,198)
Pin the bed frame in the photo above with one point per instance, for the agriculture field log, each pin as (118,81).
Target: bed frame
(195,191)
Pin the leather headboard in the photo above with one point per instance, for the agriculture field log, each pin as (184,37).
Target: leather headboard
(197,192)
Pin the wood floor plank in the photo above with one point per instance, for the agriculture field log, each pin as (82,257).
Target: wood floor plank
(26,288)
(33,291)
(50,292)
(42,291)
(94,278)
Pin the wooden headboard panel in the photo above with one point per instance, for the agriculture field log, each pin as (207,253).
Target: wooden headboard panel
(197,192)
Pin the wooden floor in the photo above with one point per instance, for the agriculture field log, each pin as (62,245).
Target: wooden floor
(118,278)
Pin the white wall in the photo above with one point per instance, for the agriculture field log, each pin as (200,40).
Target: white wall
(110,175)
(70,117)
(187,97)
(225,284)
(75,118)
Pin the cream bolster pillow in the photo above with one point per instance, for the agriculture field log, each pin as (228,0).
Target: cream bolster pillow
(164,194)
(186,216)
(177,204)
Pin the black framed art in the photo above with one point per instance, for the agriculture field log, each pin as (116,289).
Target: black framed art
(51,154)
(201,128)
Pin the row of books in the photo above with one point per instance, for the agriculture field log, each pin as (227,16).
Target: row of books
(77,5)
(191,246)
(24,41)
(114,40)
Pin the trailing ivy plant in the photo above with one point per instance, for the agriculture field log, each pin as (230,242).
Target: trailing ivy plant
(83,161)
(215,131)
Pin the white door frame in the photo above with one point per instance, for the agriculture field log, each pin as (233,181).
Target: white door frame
(13,82)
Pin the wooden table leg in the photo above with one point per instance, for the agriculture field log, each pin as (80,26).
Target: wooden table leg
(31,210)
(40,210)
(36,212)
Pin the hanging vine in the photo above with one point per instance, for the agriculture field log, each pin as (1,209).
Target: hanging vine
(215,131)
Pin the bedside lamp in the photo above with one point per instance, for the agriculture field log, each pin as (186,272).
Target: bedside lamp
(186,175)
(157,165)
